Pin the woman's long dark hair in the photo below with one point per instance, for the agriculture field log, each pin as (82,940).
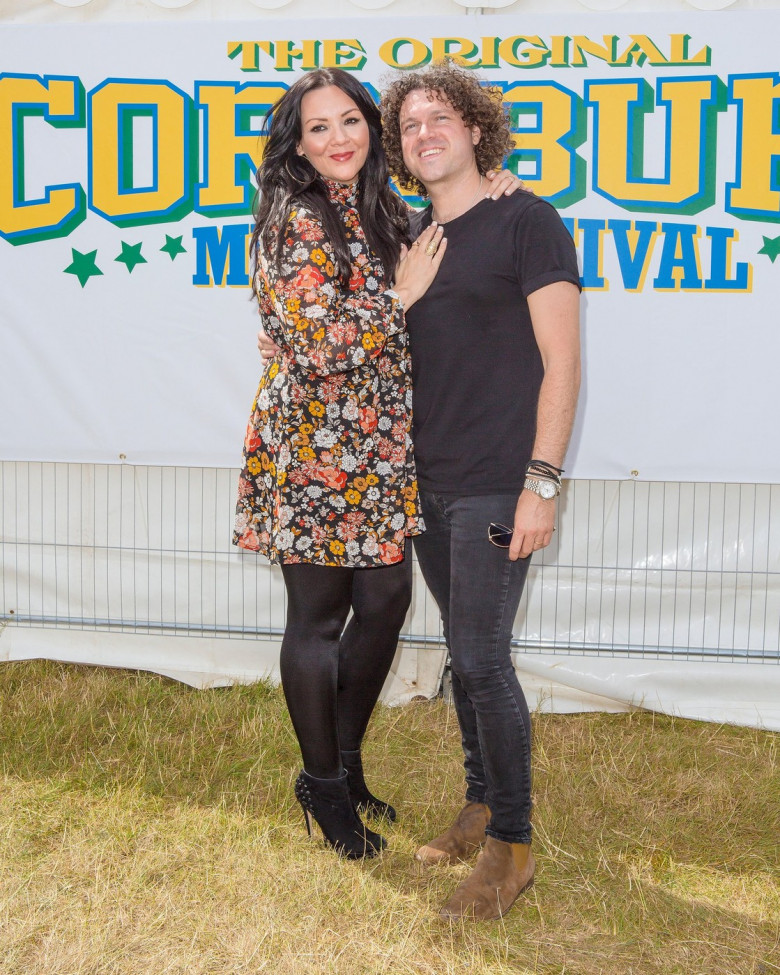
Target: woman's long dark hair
(285,179)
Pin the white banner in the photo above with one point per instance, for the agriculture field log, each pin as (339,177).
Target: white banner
(126,152)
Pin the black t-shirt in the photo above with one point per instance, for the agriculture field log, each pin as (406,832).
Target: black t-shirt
(475,362)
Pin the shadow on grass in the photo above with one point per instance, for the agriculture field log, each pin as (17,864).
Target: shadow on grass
(603,923)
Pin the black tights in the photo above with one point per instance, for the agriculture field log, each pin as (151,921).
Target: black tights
(332,675)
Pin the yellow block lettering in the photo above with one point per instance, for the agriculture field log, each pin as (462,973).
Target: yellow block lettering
(229,140)
(460,49)
(307,55)
(391,53)
(640,50)
(755,193)
(605,51)
(619,142)
(111,146)
(554,160)
(59,102)
(347,54)
(523,52)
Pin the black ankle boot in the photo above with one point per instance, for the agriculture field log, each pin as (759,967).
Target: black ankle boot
(364,801)
(328,802)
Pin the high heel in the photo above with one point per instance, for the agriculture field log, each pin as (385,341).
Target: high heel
(363,800)
(328,802)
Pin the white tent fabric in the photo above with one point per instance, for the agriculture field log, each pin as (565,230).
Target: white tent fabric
(93,10)
(746,694)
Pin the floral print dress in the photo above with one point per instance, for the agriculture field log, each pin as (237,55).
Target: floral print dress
(328,472)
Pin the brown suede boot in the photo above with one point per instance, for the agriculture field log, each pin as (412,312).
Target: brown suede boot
(461,840)
(502,872)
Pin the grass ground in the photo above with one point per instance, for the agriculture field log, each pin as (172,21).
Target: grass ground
(147,827)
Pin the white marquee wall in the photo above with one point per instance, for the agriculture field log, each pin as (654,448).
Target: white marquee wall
(89,11)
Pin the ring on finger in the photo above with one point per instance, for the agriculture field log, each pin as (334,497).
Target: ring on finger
(430,250)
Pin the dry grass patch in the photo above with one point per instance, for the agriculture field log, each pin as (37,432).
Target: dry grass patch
(150,828)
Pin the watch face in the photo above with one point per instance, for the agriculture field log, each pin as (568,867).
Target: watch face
(547,489)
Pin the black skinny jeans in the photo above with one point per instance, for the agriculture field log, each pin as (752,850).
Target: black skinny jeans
(478,590)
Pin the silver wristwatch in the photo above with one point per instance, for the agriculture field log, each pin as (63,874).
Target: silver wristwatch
(544,488)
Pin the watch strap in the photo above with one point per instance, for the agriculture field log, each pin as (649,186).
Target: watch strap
(535,484)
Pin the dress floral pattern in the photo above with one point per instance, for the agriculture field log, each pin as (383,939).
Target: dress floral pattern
(328,472)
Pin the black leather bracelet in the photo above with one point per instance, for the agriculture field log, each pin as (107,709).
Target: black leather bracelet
(539,468)
(545,465)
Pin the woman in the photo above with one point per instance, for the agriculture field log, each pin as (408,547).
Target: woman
(328,489)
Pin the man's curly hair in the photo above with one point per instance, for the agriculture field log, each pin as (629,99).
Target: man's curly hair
(476,104)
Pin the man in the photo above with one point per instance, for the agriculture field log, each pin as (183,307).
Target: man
(496,370)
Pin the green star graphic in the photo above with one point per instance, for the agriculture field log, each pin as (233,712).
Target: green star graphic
(83,266)
(130,256)
(173,247)
(771,248)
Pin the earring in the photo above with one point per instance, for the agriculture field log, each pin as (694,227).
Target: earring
(292,176)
